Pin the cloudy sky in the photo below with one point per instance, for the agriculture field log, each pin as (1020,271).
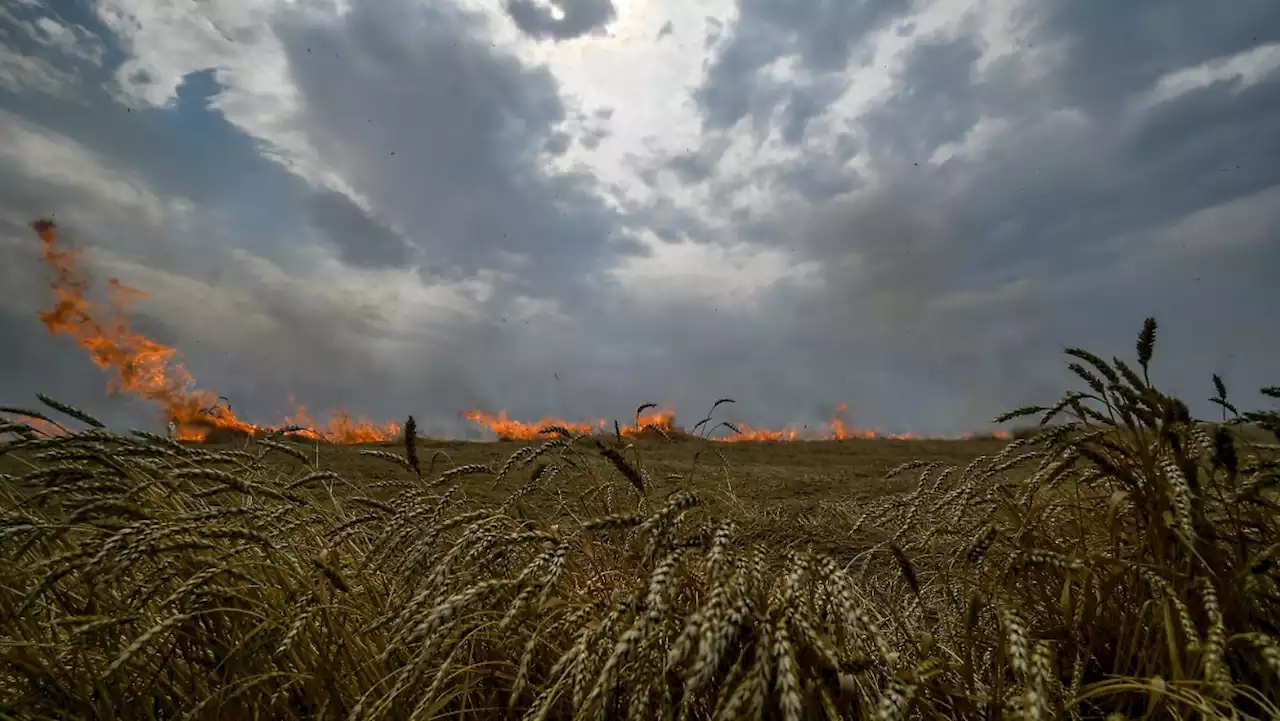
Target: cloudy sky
(570,207)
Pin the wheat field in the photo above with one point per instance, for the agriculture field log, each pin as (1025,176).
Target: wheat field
(1119,561)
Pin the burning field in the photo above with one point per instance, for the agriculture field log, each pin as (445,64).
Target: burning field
(151,370)
(1121,562)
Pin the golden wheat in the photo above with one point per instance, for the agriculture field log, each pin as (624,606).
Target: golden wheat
(1120,561)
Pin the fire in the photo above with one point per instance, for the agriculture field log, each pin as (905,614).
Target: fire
(837,429)
(507,428)
(842,430)
(510,429)
(146,368)
(341,427)
(665,421)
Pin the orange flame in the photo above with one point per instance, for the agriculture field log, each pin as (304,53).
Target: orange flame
(664,421)
(147,368)
(509,429)
(837,429)
(841,429)
(144,367)
(341,426)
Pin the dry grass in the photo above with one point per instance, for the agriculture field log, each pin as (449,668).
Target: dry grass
(1122,562)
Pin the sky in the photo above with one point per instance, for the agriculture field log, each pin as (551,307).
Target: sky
(571,207)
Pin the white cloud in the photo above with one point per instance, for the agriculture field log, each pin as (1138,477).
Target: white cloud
(26,73)
(1005,30)
(736,276)
(645,82)
(1232,226)
(59,49)
(36,154)
(977,141)
(118,207)
(1244,69)
(169,39)
(872,77)
(70,40)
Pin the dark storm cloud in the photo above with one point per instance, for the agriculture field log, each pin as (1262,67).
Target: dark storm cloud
(801,105)
(819,179)
(577,17)
(592,138)
(1117,49)
(446,136)
(693,167)
(360,239)
(974,272)
(936,294)
(256,336)
(557,143)
(939,103)
(821,34)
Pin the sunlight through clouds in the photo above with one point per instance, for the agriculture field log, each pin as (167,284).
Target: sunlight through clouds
(888,195)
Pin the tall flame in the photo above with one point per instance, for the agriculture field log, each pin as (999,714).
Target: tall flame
(146,368)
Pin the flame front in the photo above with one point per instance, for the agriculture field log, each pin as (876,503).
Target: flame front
(144,367)
(147,368)
(341,427)
(837,428)
(507,428)
(747,434)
